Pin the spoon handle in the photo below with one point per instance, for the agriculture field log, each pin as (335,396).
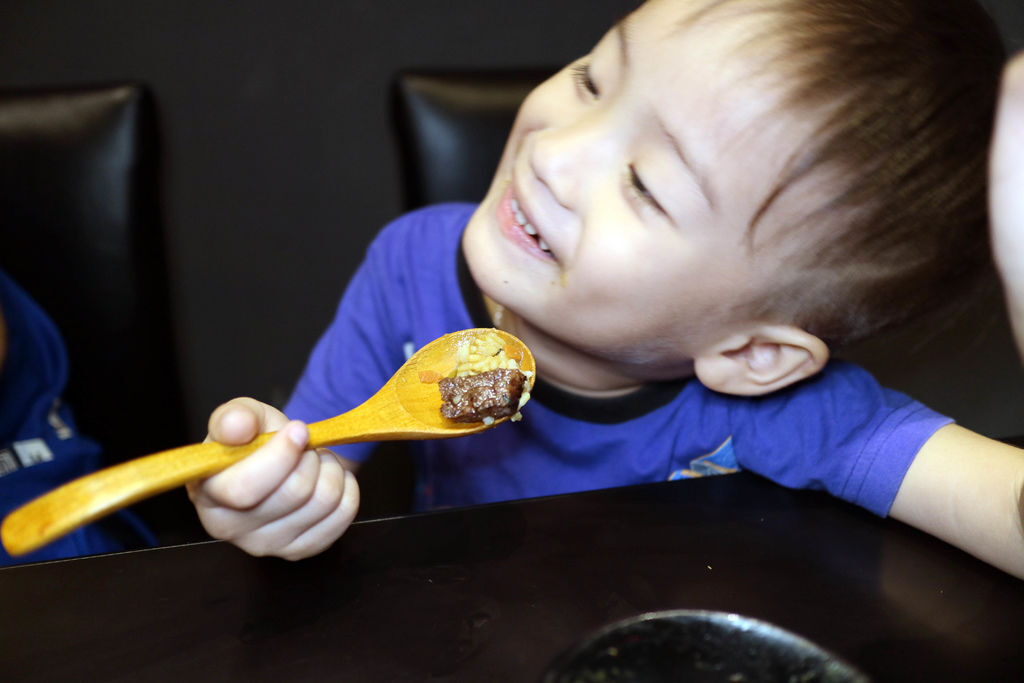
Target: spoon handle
(101,493)
(379,418)
(88,498)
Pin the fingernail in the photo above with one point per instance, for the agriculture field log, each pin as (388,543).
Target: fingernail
(298,434)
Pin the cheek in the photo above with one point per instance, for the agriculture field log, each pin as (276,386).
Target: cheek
(622,261)
(625,296)
(682,282)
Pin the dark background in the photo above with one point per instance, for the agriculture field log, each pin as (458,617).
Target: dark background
(280,166)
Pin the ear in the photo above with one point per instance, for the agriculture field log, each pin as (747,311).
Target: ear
(761,360)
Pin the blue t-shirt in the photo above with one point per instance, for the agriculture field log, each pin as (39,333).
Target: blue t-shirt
(40,448)
(838,431)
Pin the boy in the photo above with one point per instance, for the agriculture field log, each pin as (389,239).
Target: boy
(683,224)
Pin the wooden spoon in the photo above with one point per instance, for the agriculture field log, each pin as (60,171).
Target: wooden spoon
(406,407)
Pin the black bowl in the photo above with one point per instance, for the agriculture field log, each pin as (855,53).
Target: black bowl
(689,645)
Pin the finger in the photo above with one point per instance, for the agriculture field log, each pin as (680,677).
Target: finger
(231,523)
(247,483)
(239,421)
(294,493)
(324,516)
(323,534)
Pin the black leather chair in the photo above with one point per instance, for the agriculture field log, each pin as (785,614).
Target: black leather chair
(451,128)
(80,230)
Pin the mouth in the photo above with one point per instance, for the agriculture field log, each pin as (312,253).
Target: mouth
(527,226)
(519,228)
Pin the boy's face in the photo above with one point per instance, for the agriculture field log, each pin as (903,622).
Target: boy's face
(617,218)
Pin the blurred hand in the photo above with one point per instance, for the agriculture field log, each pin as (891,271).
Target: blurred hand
(281,500)
(1007,193)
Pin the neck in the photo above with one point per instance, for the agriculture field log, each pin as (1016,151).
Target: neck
(567,367)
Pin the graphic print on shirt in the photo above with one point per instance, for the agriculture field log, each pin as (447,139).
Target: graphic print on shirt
(33,451)
(24,453)
(722,460)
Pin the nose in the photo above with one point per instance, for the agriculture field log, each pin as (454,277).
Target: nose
(569,158)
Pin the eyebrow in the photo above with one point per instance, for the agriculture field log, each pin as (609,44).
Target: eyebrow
(622,34)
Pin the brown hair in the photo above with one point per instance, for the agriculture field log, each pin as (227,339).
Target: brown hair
(906,91)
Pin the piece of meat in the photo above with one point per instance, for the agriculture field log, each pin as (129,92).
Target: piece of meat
(472,398)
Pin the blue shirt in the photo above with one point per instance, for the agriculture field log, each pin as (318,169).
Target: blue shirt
(838,431)
(40,447)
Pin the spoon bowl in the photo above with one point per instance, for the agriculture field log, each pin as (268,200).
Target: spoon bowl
(406,399)
(407,407)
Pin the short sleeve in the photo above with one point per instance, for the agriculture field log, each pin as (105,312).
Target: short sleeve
(840,431)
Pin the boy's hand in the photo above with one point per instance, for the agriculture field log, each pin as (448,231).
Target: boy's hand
(282,500)
(1007,193)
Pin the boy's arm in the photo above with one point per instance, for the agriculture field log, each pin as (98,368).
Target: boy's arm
(281,500)
(967,489)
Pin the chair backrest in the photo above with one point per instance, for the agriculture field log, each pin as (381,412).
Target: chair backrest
(80,230)
(451,127)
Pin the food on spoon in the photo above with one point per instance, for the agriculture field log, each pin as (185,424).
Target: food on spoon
(485,396)
(430,376)
(486,384)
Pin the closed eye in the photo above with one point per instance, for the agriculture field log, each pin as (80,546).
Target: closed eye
(640,190)
(585,83)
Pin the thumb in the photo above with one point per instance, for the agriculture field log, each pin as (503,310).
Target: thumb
(240,420)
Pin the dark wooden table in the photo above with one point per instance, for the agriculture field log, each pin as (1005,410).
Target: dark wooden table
(494,593)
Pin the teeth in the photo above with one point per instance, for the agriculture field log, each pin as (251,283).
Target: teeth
(526,225)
